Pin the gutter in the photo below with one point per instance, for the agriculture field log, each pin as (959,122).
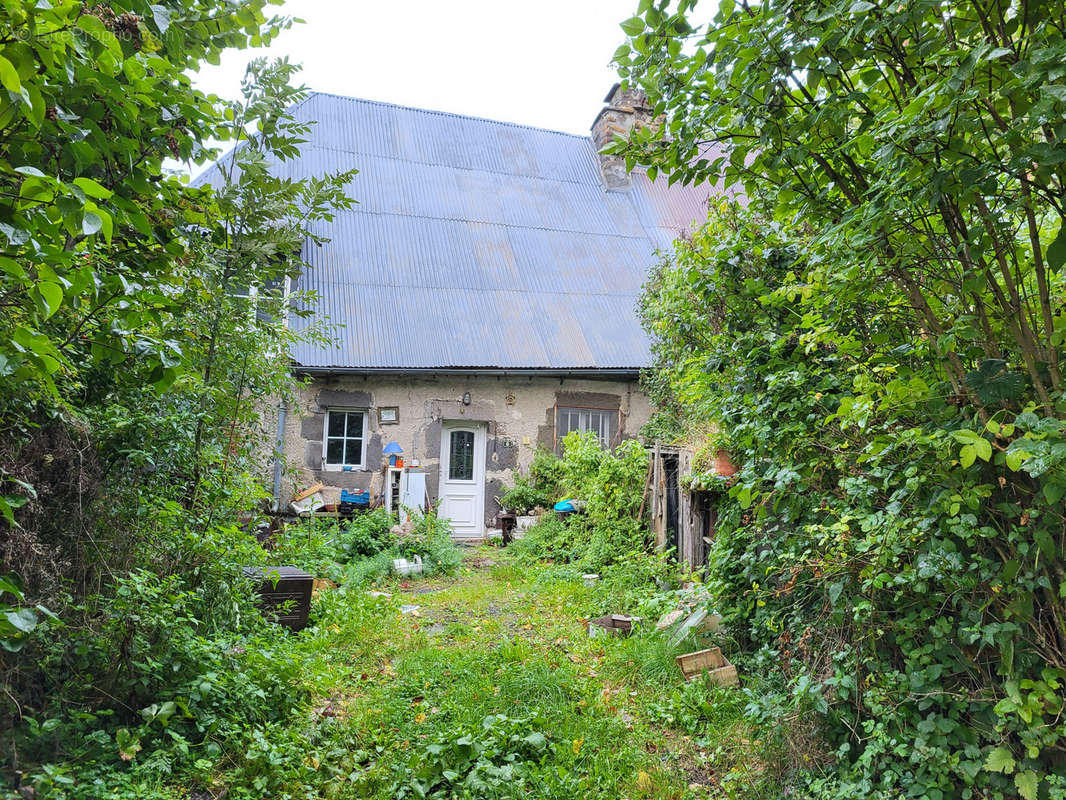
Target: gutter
(591,373)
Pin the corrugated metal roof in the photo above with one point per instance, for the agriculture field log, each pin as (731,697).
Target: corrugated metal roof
(477,244)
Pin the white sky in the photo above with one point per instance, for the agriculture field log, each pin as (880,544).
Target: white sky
(542,63)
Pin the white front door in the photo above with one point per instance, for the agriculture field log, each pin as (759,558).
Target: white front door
(462,478)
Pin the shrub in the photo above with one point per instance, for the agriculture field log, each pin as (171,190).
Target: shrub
(431,540)
(611,485)
(549,538)
(366,534)
(523,497)
(546,474)
(313,545)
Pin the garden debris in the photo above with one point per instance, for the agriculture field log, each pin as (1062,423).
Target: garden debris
(590,578)
(376,593)
(612,625)
(309,500)
(700,621)
(310,490)
(669,619)
(686,627)
(427,589)
(711,661)
(407,608)
(320,585)
(401,566)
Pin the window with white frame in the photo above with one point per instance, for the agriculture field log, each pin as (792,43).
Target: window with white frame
(600,421)
(344,444)
(265,300)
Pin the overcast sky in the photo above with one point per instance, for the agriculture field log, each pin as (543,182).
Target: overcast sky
(543,63)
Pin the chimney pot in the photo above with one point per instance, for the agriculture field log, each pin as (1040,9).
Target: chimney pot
(625,111)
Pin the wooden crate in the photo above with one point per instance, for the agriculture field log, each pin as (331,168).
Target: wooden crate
(711,661)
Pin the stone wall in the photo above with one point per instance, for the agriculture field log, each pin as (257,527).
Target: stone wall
(519,412)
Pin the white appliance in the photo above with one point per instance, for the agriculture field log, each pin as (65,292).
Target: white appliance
(406,489)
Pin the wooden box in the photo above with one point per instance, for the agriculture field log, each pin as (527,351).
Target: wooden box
(284,594)
(711,661)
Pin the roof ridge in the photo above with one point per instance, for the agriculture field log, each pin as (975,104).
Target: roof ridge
(450,114)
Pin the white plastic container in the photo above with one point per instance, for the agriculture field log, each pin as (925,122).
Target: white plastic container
(401,566)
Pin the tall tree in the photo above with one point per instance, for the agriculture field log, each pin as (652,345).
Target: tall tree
(923,138)
(93,99)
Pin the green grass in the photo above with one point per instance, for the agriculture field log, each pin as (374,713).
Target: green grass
(503,639)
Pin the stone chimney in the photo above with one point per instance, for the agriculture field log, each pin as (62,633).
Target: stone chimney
(625,111)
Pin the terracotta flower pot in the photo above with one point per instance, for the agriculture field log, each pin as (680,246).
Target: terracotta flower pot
(723,465)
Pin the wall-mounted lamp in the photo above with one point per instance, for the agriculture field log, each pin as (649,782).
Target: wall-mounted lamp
(466,398)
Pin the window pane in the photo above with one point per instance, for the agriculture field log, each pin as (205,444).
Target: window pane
(600,422)
(336,424)
(355,425)
(461,456)
(335,451)
(353,451)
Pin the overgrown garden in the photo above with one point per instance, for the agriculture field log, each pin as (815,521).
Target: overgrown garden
(871,327)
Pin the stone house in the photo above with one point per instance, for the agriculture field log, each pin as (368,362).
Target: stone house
(483,294)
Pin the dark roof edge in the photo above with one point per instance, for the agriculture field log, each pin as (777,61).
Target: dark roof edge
(590,373)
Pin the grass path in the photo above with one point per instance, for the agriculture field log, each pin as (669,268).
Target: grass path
(493,683)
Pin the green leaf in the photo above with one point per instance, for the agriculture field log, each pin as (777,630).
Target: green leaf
(993,381)
(1053,492)
(1000,760)
(1056,251)
(1028,783)
(1045,543)
(1015,458)
(91,223)
(984,449)
(536,740)
(92,188)
(967,455)
(166,711)
(161,15)
(52,294)
(633,26)
(9,76)
(24,619)
(744,497)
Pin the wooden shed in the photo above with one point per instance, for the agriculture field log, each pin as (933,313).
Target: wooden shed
(681,519)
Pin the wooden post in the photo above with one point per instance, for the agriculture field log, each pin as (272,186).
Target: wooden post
(647,487)
(659,517)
